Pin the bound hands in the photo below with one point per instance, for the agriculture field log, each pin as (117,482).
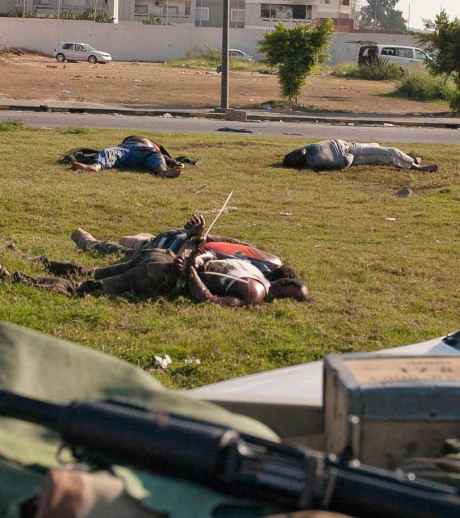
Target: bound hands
(195,225)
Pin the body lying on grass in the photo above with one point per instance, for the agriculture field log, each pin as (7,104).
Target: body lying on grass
(177,265)
(339,154)
(134,152)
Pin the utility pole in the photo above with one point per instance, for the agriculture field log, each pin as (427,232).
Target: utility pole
(408,17)
(225,61)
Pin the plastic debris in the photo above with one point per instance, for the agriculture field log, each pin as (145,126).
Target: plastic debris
(162,362)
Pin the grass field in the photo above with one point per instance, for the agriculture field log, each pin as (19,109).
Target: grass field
(383,270)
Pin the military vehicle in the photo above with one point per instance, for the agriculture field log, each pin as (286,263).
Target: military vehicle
(87,435)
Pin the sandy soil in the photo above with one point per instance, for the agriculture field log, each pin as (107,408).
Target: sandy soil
(33,77)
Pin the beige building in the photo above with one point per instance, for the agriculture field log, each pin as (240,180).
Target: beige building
(267,12)
(205,13)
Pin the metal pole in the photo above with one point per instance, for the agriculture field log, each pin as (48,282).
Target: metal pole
(408,18)
(225,61)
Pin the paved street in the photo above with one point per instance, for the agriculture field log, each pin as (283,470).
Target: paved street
(309,131)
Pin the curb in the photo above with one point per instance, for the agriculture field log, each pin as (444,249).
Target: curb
(311,119)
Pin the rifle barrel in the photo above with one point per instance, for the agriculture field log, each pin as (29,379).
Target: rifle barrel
(31,410)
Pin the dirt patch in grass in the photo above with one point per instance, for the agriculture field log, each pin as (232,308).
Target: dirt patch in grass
(158,85)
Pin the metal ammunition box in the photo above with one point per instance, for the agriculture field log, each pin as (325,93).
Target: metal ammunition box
(384,409)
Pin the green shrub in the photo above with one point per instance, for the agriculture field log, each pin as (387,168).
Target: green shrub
(151,19)
(91,14)
(295,51)
(422,86)
(346,70)
(381,70)
(454,101)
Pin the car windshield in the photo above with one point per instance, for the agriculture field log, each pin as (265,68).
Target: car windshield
(87,47)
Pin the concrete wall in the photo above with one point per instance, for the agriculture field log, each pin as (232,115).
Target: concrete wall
(125,41)
(136,41)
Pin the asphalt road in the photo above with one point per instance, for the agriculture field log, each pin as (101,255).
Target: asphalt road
(309,131)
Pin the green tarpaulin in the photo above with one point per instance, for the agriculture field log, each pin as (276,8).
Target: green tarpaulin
(36,365)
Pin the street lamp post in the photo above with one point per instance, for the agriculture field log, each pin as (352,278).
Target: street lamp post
(225,61)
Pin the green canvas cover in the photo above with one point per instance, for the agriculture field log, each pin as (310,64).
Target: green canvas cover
(39,366)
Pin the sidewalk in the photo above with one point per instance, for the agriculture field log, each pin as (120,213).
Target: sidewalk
(350,119)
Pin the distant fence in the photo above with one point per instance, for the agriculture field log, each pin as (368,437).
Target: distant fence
(140,42)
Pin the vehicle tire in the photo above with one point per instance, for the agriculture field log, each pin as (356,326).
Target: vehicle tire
(60,58)
(92,60)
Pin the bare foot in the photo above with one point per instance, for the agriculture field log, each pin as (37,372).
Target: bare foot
(82,239)
(78,166)
(4,273)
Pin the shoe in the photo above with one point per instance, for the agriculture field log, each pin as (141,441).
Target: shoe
(89,287)
(432,168)
(173,172)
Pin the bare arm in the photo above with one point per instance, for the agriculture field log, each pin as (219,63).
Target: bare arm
(200,292)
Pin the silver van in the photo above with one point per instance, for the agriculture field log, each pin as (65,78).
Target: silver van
(73,51)
(398,54)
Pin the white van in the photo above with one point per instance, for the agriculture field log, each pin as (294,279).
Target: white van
(399,54)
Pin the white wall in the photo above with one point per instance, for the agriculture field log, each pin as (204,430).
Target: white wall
(136,41)
(125,40)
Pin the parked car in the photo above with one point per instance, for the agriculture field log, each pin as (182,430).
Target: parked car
(71,51)
(240,54)
(399,54)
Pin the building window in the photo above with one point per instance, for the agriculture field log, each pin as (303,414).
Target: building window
(237,15)
(346,2)
(188,7)
(327,2)
(285,12)
(141,9)
(202,14)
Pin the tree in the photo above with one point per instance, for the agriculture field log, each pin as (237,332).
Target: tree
(443,44)
(295,51)
(383,15)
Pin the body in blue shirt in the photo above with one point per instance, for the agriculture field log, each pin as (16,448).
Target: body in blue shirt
(132,157)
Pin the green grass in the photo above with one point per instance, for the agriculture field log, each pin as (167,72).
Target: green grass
(202,63)
(10,126)
(422,86)
(210,59)
(380,71)
(376,282)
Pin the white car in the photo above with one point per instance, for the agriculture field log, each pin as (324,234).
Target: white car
(72,51)
(240,54)
(399,54)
